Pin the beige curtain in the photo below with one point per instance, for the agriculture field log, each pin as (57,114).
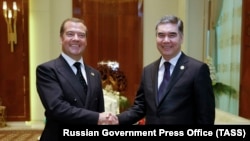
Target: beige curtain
(215,7)
(227,52)
(215,10)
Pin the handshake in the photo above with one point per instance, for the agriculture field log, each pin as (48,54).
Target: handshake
(107,119)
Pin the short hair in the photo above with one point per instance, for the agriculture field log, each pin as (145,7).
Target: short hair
(76,20)
(173,20)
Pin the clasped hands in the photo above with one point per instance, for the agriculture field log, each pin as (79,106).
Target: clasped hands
(106,118)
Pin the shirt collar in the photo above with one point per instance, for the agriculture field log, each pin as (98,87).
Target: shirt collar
(173,61)
(71,61)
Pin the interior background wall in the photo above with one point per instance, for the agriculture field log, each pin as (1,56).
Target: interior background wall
(46,17)
(45,20)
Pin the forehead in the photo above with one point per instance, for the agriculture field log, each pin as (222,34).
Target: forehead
(74,26)
(167,28)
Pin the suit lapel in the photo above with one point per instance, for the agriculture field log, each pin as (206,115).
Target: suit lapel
(155,80)
(176,75)
(91,78)
(65,71)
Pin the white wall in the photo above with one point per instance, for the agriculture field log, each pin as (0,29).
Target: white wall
(192,14)
(45,19)
(153,11)
(195,28)
(47,15)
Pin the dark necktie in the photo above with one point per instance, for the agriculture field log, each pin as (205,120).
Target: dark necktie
(165,80)
(79,75)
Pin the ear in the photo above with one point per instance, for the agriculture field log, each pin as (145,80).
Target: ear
(61,40)
(182,38)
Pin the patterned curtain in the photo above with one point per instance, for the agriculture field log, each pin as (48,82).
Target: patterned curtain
(227,53)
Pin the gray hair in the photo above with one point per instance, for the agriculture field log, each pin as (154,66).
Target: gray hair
(171,19)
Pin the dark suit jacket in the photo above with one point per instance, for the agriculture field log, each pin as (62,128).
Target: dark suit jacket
(64,99)
(188,99)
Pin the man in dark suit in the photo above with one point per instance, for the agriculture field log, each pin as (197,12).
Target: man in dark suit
(187,97)
(64,98)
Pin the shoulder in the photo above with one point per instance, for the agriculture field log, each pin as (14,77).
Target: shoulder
(53,62)
(153,65)
(49,63)
(91,70)
(193,65)
(191,61)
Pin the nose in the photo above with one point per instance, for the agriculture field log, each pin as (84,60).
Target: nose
(75,37)
(166,39)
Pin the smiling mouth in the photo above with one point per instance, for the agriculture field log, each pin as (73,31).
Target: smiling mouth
(167,47)
(74,45)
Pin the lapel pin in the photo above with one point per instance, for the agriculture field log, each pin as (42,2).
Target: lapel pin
(92,74)
(182,67)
